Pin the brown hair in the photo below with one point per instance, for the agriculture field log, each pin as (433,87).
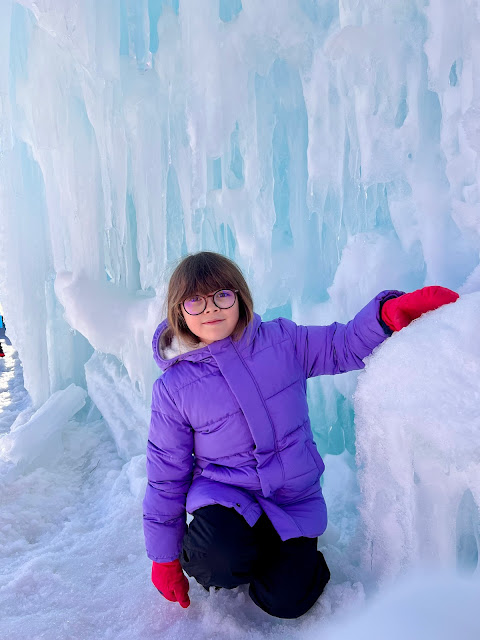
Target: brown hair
(203,273)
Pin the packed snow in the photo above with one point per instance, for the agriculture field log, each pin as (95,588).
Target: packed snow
(330,147)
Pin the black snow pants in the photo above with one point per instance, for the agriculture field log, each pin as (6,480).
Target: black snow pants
(221,550)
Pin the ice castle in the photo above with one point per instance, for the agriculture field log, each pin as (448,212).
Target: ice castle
(331,148)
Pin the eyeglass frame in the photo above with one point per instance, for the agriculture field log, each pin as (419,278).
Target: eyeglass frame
(212,295)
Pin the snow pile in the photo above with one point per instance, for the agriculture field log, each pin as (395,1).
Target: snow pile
(418,445)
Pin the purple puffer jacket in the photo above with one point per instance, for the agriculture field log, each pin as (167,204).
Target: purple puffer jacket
(230,426)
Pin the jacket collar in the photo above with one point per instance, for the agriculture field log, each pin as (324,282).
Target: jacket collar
(165,358)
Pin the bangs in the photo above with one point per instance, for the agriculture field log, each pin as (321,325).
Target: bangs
(202,278)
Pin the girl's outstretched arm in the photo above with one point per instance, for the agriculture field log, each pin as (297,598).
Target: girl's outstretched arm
(337,348)
(342,347)
(169,474)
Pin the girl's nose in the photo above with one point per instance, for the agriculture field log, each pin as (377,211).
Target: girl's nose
(210,305)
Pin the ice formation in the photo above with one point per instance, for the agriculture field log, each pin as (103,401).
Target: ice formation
(331,148)
(417,426)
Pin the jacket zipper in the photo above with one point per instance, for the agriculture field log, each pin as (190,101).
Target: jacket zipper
(277,453)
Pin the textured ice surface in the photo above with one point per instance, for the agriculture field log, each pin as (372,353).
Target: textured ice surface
(38,435)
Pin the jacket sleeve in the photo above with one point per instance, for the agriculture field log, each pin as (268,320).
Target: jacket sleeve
(169,475)
(338,348)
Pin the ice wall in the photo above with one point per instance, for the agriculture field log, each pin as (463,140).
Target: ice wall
(330,147)
(278,133)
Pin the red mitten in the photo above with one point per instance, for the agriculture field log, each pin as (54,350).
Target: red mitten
(399,312)
(172,583)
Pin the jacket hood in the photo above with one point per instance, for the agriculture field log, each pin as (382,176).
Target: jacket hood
(166,355)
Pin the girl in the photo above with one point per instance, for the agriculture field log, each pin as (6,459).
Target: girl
(230,439)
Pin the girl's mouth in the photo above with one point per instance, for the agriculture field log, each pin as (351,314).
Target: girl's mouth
(213,322)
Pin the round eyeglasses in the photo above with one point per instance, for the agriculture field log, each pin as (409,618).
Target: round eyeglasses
(223,299)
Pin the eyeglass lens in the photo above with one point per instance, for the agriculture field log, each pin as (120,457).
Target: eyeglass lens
(223,299)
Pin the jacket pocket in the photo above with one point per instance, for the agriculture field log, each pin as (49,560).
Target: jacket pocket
(317,458)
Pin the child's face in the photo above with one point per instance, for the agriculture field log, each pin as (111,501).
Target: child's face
(214,323)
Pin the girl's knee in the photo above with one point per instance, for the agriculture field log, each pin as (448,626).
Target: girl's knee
(217,566)
(219,548)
